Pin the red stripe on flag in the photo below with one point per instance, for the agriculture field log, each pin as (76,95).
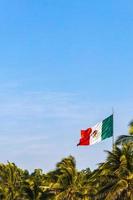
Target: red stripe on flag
(85,137)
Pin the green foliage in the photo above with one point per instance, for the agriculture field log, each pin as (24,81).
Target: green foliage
(131,128)
(112,180)
(126,138)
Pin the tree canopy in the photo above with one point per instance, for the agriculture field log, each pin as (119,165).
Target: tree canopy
(112,180)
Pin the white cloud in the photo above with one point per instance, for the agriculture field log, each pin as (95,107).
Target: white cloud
(38,104)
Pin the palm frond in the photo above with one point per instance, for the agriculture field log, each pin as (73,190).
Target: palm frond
(124,139)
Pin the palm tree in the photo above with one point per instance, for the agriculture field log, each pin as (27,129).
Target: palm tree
(65,187)
(126,138)
(33,185)
(71,184)
(131,128)
(11,180)
(114,178)
(84,189)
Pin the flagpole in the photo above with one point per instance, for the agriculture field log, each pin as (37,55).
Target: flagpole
(113,140)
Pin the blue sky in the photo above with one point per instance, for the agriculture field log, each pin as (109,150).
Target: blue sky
(63,65)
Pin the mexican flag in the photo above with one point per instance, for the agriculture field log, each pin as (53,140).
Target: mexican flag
(97,133)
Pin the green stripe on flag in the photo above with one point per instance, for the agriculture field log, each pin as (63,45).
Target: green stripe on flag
(107,127)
